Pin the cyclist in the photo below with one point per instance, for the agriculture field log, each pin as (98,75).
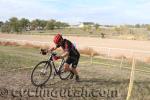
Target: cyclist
(70,52)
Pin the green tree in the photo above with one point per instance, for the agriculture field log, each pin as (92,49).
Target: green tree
(58,24)
(38,24)
(24,23)
(50,25)
(1,23)
(96,26)
(42,24)
(15,25)
(64,24)
(137,26)
(34,24)
(6,27)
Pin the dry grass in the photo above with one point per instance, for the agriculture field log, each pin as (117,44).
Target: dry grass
(31,45)
(89,51)
(127,36)
(128,59)
(86,51)
(120,57)
(147,60)
(133,36)
(7,43)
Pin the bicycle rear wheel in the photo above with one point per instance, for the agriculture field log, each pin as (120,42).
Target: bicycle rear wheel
(41,73)
(62,74)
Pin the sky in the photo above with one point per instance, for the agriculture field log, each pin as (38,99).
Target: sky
(75,11)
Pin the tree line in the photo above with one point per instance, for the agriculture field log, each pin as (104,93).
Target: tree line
(22,25)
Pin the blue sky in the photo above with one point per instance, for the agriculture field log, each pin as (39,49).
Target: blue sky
(75,11)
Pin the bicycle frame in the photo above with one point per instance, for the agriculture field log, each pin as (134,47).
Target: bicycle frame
(50,60)
(49,64)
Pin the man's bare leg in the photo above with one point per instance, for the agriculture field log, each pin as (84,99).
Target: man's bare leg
(72,70)
(66,67)
(75,72)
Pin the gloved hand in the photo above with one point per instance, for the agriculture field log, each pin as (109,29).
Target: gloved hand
(43,51)
(56,58)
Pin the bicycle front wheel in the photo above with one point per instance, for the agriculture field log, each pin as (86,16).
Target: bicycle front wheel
(41,73)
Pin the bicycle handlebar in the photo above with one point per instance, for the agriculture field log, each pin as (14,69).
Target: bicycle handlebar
(52,53)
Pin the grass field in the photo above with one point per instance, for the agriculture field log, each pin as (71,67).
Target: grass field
(94,76)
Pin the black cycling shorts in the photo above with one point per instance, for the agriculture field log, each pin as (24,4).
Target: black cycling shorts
(73,60)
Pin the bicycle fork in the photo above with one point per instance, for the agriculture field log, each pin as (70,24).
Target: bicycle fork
(44,70)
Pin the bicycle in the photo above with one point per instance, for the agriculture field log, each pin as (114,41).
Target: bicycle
(44,70)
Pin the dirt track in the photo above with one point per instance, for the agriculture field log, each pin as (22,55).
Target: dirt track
(21,80)
(96,43)
(100,78)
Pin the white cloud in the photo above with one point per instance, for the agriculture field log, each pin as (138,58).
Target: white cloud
(109,11)
(28,8)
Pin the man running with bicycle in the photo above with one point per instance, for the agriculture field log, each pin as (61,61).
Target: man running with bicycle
(70,53)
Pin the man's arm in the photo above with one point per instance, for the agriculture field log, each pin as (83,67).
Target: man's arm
(50,49)
(65,54)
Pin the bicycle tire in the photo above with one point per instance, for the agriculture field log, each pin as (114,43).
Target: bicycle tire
(44,82)
(61,73)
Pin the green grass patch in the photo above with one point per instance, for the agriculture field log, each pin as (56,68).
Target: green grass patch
(13,57)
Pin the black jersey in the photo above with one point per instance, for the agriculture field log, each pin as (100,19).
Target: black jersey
(69,47)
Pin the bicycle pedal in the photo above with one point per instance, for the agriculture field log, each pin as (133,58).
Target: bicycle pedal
(55,73)
(58,73)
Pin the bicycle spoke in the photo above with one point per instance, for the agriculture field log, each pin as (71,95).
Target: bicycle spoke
(41,73)
(64,74)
